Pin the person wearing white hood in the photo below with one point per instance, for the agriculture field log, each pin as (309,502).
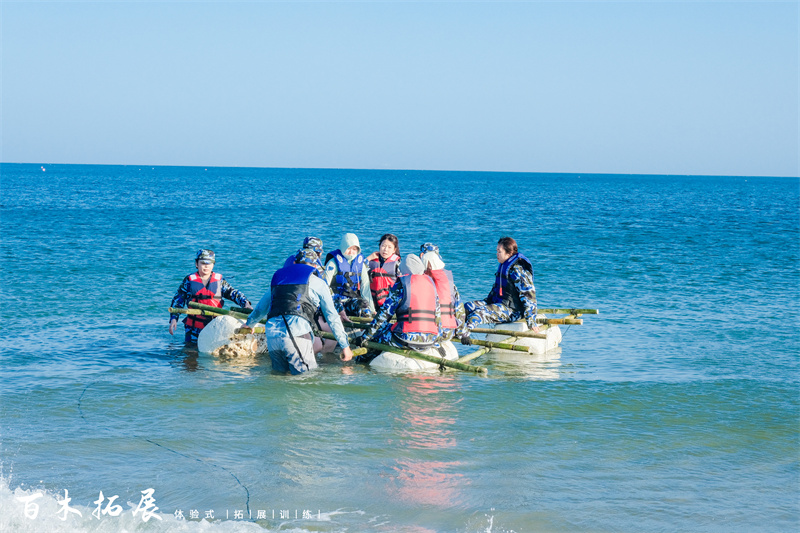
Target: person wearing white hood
(453,316)
(346,274)
(414,301)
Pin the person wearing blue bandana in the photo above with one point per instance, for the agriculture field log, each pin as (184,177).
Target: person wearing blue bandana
(313,244)
(513,295)
(294,296)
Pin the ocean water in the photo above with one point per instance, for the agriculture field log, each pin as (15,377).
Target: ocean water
(675,409)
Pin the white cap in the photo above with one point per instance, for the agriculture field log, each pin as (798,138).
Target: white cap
(433,261)
(411,264)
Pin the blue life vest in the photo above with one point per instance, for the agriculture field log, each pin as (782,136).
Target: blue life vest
(320,270)
(504,291)
(289,290)
(347,282)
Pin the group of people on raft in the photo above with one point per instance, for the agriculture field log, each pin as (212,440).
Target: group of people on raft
(309,294)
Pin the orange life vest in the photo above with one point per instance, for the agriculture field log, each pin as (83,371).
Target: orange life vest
(417,311)
(444,288)
(382,277)
(210,294)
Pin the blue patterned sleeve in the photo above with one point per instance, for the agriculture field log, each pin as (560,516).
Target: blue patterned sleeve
(523,281)
(233,295)
(181,298)
(461,317)
(396,294)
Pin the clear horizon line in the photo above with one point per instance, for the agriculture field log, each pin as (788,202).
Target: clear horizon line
(590,173)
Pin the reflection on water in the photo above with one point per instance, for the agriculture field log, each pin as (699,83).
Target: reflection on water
(545,366)
(425,421)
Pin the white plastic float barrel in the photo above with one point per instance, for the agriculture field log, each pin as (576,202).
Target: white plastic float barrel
(217,333)
(395,362)
(537,346)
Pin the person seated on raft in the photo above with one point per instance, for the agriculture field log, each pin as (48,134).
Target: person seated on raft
(384,268)
(414,301)
(315,245)
(294,296)
(513,295)
(206,287)
(453,317)
(346,274)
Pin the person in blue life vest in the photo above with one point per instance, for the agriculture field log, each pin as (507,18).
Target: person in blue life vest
(513,295)
(206,287)
(413,300)
(346,274)
(453,318)
(294,295)
(384,268)
(315,245)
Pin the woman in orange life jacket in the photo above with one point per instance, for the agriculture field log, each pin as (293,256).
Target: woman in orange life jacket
(206,287)
(414,301)
(453,317)
(384,268)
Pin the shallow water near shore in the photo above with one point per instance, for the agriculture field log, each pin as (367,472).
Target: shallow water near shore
(675,408)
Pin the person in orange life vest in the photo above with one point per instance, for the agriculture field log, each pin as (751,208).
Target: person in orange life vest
(414,301)
(346,274)
(513,295)
(453,317)
(206,287)
(384,268)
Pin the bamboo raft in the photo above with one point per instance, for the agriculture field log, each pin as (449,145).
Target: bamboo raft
(509,337)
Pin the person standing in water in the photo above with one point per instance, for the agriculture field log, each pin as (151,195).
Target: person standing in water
(294,296)
(513,295)
(206,287)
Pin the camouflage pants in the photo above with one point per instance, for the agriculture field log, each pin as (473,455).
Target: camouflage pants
(480,312)
(190,335)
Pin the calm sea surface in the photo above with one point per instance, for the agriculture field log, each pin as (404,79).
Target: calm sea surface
(675,409)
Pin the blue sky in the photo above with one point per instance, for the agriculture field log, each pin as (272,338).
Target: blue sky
(585,87)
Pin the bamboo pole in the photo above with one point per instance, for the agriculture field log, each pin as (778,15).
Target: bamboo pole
(570,321)
(546,310)
(501,345)
(474,355)
(527,334)
(416,355)
(478,342)
(408,353)
(194,312)
(219,310)
(565,311)
(545,321)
